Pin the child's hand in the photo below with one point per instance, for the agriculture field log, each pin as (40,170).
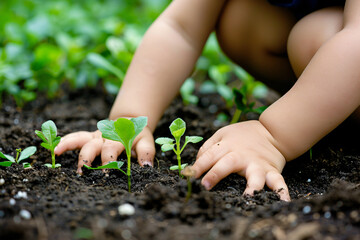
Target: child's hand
(247,149)
(92,144)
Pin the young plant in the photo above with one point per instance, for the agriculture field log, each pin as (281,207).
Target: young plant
(243,105)
(188,172)
(20,156)
(50,140)
(177,129)
(111,165)
(125,131)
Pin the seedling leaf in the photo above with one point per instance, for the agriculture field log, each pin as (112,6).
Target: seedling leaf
(125,129)
(8,157)
(111,165)
(46,145)
(41,135)
(167,147)
(176,167)
(164,140)
(107,129)
(27,165)
(49,130)
(6,163)
(27,152)
(193,139)
(177,128)
(139,124)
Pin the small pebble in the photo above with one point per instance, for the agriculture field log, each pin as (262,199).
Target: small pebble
(306,209)
(12,201)
(2,214)
(309,180)
(126,209)
(327,215)
(25,214)
(21,194)
(2,181)
(25,180)
(126,234)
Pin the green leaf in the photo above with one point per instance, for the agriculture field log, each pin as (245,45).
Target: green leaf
(49,130)
(46,145)
(41,135)
(6,163)
(26,165)
(164,140)
(139,124)
(56,141)
(176,167)
(177,128)
(57,165)
(107,129)
(48,165)
(110,165)
(260,110)
(125,129)
(101,62)
(8,157)
(167,147)
(193,139)
(27,152)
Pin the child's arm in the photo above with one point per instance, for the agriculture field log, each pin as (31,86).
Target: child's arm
(326,93)
(164,59)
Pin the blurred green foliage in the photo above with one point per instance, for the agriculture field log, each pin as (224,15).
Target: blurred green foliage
(44,44)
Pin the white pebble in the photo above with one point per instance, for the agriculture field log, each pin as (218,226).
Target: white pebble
(309,180)
(25,180)
(327,214)
(306,209)
(2,181)
(12,201)
(25,214)
(126,209)
(21,194)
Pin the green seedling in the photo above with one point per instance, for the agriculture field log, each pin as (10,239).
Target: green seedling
(243,105)
(177,129)
(50,140)
(188,172)
(125,131)
(111,165)
(20,156)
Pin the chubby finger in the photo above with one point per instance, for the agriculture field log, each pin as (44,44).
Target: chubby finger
(255,180)
(276,182)
(225,166)
(207,145)
(110,151)
(145,151)
(209,158)
(73,141)
(88,153)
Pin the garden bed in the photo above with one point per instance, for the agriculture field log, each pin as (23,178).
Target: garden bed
(325,188)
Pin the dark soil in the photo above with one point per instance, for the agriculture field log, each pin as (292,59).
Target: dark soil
(325,189)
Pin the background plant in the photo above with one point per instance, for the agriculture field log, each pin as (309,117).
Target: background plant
(125,131)
(177,129)
(20,156)
(48,135)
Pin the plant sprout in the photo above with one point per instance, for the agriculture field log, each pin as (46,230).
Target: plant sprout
(20,156)
(111,165)
(188,172)
(177,129)
(125,131)
(50,140)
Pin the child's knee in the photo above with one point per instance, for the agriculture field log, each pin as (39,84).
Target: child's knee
(310,33)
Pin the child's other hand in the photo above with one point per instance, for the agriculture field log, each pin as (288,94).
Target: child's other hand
(92,145)
(247,149)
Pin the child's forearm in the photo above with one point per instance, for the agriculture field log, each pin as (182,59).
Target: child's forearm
(325,95)
(165,58)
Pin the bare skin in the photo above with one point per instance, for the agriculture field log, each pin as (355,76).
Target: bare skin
(321,51)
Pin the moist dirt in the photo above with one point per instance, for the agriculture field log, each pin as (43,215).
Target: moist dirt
(42,203)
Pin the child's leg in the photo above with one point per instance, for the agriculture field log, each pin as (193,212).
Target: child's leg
(254,34)
(309,34)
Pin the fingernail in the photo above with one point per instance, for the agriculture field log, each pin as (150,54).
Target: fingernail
(207,185)
(148,163)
